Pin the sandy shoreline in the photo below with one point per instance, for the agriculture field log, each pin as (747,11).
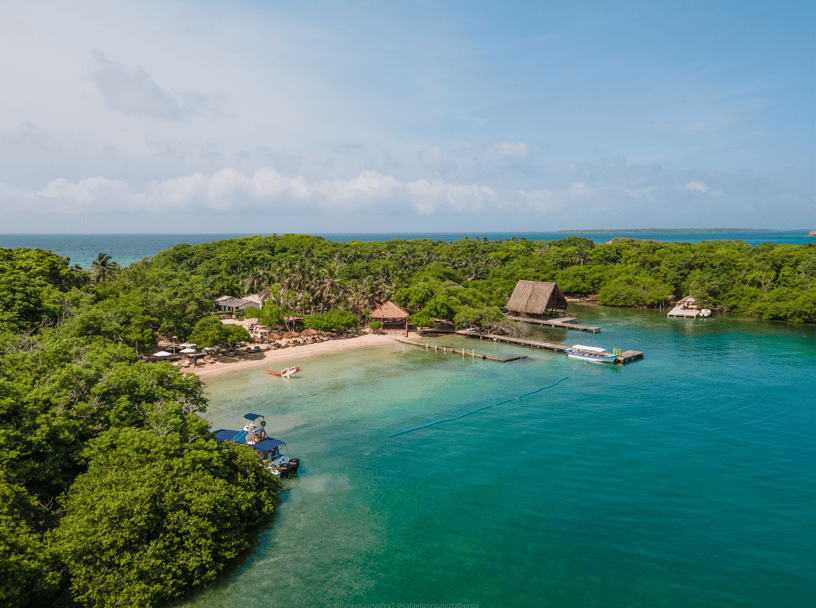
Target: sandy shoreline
(278,359)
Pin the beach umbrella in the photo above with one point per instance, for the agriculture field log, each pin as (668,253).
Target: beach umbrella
(309,332)
(187,345)
(188,350)
(161,353)
(291,334)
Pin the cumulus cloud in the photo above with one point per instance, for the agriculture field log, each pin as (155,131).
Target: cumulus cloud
(133,92)
(696,186)
(657,199)
(265,191)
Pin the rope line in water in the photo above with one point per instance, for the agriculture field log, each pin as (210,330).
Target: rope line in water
(416,428)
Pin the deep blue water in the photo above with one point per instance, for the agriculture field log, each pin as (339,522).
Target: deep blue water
(128,248)
(684,479)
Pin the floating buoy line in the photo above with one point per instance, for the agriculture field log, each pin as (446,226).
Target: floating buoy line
(538,390)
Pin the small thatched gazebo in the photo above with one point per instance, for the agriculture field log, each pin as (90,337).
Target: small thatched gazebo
(390,315)
(536,299)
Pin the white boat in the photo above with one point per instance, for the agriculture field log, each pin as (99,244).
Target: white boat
(705,312)
(591,353)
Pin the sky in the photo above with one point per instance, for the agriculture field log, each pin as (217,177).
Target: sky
(391,116)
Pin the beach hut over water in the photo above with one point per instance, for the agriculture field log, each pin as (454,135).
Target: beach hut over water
(390,315)
(537,299)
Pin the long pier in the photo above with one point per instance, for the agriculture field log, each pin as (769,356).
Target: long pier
(626,357)
(562,322)
(453,351)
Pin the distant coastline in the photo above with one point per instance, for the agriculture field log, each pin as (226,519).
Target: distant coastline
(674,231)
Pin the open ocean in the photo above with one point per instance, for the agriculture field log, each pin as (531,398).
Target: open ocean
(128,248)
(682,480)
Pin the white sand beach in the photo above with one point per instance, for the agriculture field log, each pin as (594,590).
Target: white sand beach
(285,357)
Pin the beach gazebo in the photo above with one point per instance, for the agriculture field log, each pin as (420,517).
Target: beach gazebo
(537,299)
(688,302)
(391,315)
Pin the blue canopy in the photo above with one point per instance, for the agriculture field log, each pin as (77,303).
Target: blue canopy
(267,445)
(252,416)
(225,434)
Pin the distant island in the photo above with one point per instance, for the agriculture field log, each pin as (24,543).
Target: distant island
(668,231)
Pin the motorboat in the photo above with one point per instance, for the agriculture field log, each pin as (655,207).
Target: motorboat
(705,312)
(591,353)
(271,450)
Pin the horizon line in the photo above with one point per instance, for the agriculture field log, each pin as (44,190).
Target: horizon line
(576,231)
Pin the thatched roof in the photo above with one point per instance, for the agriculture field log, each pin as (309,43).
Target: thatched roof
(390,312)
(535,298)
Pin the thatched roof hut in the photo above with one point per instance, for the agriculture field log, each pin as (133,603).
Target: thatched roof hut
(390,315)
(534,298)
(389,312)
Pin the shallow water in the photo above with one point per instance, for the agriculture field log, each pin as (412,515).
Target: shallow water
(685,479)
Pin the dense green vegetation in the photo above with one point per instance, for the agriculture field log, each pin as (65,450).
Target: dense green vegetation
(307,275)
(112,490)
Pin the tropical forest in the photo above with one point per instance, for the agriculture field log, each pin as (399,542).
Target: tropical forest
(113,490)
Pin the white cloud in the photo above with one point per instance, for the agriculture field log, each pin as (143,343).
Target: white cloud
(696,186)
(562,196)
(133,92)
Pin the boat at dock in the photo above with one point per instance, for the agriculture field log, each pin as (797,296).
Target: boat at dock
(272,450)
(591,353)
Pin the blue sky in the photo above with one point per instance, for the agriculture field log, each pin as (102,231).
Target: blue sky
(147,116)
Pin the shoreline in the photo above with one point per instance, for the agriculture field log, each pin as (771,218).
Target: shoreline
(289,356)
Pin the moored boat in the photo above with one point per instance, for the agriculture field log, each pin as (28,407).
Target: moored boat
(254,435)
(284,373)
(591,353)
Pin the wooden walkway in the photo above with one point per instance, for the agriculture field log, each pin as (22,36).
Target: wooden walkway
(453,351)
(562,322)
(625,357)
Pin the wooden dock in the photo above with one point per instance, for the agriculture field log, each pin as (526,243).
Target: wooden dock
(452,351)
(689,313)
(562,322)
(625,357)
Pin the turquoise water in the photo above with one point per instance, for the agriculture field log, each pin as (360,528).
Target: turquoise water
(128,248)
(685,479)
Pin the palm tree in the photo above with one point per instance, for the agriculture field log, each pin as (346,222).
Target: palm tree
(103,268)
(330,285)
